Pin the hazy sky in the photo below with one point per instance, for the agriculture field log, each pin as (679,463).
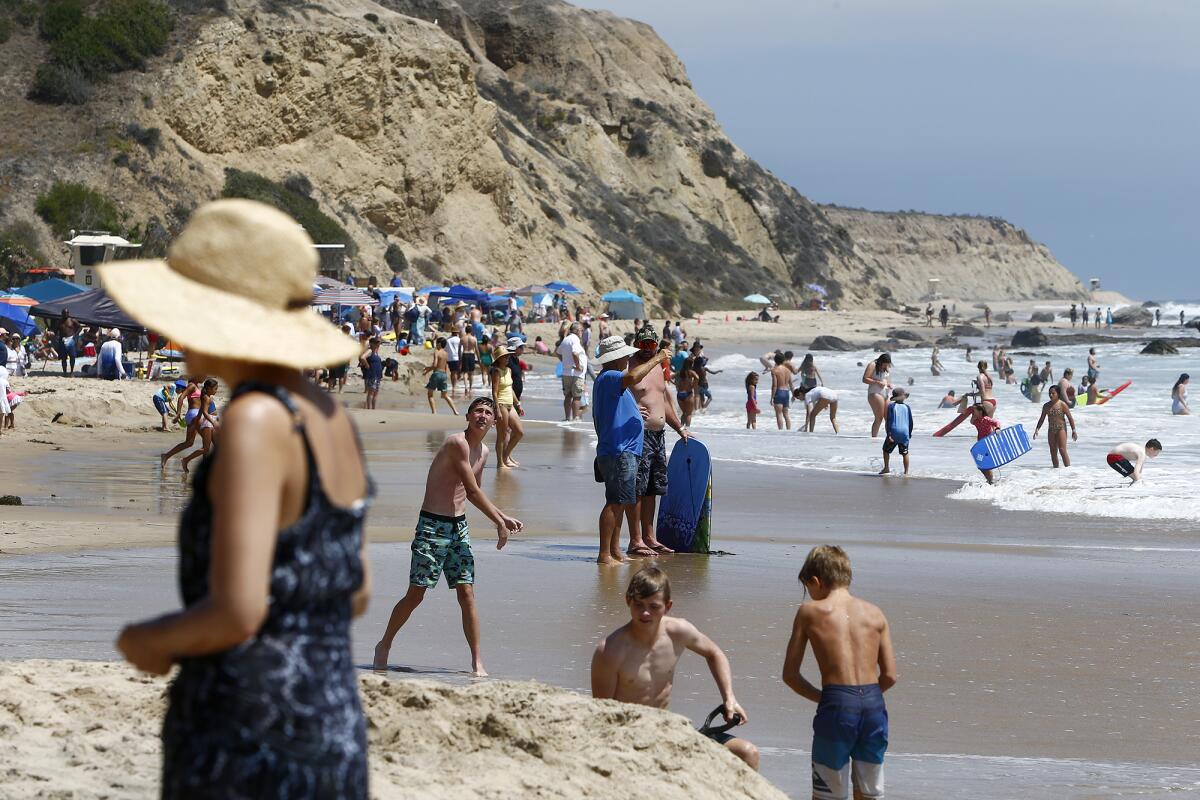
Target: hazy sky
(1078,120)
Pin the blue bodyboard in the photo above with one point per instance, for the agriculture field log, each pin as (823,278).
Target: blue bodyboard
(686,507)
(1003,446)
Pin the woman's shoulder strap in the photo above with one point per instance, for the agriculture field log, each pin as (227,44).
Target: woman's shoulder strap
(278,392)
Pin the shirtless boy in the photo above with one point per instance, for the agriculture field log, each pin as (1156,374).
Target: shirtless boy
(852,643)
(654,402)
(442,541)
(781,391)
(636,663)
(1129,457)
(439,380)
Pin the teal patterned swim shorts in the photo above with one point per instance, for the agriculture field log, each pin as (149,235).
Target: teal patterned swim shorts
(442,544)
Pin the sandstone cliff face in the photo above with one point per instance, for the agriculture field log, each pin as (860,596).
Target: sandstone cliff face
(495,141)
(975,258)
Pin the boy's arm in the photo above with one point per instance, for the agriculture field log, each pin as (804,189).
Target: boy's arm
(718,665)
(635,374)
(460,459)
(1137,467)
(887,659)
(604,674)
(910,422)
(794,656)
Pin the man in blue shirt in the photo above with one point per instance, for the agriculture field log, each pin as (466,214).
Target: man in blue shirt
(899,429)
(619,432)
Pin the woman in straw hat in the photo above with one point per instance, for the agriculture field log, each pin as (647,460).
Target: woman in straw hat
(509,430)
(272,568)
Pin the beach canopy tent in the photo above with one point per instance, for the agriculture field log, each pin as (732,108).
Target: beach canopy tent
(564,287)
(14,314)
(50,289)
(501,301)
(92,307)
(760,299)
(457,293)
(388,296)
(428,289)
(625,305)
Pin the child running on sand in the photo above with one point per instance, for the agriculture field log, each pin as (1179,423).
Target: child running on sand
(442,542)
(852,644)
(636,663)
(1128,458)
(439,380)
(752,411)
(898,429)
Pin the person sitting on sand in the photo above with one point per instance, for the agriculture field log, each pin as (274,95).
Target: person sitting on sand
(1129,457)
(540,347)
(439,380)
(620,435)
(985,425)
(949,401)
(1059,413)
(898,429)
(852,643)
(636,663)
(443,542)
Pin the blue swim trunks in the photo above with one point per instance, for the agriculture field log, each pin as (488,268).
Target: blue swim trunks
(850,736)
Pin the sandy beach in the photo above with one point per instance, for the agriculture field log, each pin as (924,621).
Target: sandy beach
(1031,654)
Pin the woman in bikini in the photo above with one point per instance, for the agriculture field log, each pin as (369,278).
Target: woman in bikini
(193,396)
(686,382)
(1059,414)
(878,378)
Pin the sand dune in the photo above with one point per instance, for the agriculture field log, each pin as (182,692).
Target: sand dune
(73,729)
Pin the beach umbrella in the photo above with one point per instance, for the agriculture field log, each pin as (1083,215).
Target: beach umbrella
(50,289)
(17,300)
(343,297)
(546,299)
(322,282)
(498,290)
(532,289)
(16,319)
(431,289)
(816,287)
(757,298)
(564,287)
(460,292)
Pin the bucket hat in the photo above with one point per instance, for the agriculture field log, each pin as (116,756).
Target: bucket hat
(614,347)
(236,283)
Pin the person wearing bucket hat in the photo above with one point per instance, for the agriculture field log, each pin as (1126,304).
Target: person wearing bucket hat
(509,430)
(164,399)
(272,561)
(619,435)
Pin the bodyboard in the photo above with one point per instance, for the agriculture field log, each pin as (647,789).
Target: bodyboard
(954,423)
(684,516)
(1025,390)
(1003,446)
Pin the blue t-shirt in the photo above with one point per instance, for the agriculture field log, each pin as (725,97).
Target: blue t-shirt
(615,415)
(374,367)
(677,361)
(899,422)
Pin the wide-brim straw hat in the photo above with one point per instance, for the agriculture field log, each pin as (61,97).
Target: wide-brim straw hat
(237,284)
(499,352)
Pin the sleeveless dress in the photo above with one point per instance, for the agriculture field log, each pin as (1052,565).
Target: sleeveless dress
(277,716)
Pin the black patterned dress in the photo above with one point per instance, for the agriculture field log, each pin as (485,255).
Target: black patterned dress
(277,716)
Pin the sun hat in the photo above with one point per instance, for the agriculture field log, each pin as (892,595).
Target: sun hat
(114,334)
(499,352)
(180,384)
(514,342)
(614,347)
(236,283)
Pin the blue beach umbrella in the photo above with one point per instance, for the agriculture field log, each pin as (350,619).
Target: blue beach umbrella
(757,298)
(429,289)
(816,287)
(563,286)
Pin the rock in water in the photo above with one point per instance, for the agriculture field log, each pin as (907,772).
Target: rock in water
(1159,347)
(831,343)
(900,333)
(1133,315)
(1042,316)
(967,330)
(1032,337)
(10,500)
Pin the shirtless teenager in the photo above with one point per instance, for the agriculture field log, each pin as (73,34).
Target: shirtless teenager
(781,391)
(1129,457)
(468,359)
(636,663)
(439,380)
(68,343)
(442,542)
(852,643)
(654,402)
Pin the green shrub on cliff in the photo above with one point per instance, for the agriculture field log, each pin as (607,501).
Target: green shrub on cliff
(18,252)
(70,206)
(322,228)
(122,35)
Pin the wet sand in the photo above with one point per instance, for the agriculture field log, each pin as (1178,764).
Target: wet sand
(1039,657)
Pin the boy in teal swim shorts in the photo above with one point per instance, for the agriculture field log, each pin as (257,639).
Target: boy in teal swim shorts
(442,543)
(852,643)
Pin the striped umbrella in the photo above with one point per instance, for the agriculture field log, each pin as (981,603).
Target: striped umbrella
(343,297)
(17,300)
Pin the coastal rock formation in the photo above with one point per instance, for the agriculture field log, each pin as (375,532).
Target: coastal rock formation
(967,330)
(91,729)
(488,141)
(1030,337)
(971,257)
(831,343)
(1042,316)
(1133,315)
(1160,347)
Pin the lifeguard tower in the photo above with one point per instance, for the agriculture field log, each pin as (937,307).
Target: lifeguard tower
(89,249)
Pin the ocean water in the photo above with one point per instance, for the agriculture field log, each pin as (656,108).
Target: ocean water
(1088,487)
